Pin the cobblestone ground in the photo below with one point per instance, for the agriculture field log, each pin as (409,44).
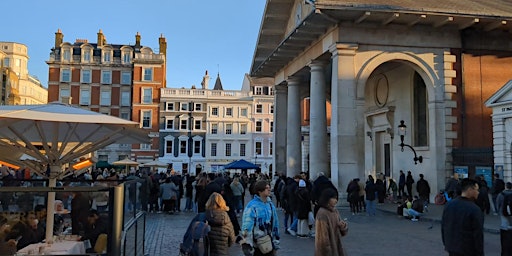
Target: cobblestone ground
(382,235)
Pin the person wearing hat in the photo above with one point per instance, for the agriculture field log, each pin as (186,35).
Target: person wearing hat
(303,209)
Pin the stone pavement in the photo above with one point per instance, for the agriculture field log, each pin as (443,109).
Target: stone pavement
(435,213)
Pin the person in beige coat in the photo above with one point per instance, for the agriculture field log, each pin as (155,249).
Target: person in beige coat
(329,226)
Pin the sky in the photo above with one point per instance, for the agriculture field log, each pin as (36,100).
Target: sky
(218,36)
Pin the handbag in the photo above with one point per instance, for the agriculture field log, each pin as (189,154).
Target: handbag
(311,218)
(264,244)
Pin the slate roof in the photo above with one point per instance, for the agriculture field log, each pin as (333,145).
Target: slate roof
(218,83)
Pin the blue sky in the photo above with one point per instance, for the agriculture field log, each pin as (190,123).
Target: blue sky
(218,36)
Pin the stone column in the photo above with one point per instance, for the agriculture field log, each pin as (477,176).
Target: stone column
(293,129)
(280,123)
(318,158)
(347,150)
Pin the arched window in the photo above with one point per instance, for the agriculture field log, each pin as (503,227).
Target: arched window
(420,115)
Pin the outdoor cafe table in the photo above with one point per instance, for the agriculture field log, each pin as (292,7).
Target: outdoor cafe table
(57,248)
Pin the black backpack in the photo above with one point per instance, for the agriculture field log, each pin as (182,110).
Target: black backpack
(507,204)
(195,241)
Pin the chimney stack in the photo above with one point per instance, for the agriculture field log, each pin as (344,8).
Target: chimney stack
(137,41)
(163,45)
(59,38)
(101,38)
(206,81)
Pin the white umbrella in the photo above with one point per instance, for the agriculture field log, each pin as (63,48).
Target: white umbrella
(56,134)
(126,162)
(155,163)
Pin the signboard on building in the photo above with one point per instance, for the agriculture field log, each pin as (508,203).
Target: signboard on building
(461,170)
(486,172)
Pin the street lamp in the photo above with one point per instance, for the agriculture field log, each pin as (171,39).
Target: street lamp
(402,130)
(190,126)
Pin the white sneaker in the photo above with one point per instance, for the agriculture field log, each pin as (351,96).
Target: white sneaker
(293,233)
(414,219)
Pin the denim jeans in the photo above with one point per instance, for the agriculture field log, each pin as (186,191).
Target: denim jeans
(371,207)
(295,221)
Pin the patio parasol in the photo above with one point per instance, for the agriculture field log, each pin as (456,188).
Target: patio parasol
(126,162)
(155,163)
(54,135)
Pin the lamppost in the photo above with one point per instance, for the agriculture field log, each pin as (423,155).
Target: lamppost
(190,126)
(402,130)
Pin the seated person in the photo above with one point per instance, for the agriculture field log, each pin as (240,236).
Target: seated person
(403,208)
(95,226)
(26,228)
(7,246)
(416,209)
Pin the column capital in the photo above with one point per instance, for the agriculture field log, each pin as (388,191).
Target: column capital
(317,64)
(293,81)
(343,49)
(279,88)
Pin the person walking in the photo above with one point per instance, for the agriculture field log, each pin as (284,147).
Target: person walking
(401,184)
(409,180)
(394,188)
(423,189)
(353,196)
(303,209)
(462,224)
(168,193)
(506,221)
(222,233)
(498,185)
(260,220)
(320,184)
(371,196)
(329,227)
(237,189)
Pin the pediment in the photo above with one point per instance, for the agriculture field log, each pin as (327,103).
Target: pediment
(502,97)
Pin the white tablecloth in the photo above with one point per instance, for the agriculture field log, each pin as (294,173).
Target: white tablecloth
(57,248)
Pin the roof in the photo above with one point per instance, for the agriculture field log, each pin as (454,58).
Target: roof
(218,83)
(491,8)
(277,47)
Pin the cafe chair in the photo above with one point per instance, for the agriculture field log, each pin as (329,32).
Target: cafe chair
(101,244)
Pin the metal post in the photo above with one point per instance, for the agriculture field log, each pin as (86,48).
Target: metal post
(117,219)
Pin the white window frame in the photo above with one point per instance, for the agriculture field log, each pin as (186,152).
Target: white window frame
(146,116)
(215,111)
(228,149)
(184,124)
(64,93)
(256,148)
(213,149)
(271,109)
(215,128)
(85,76)
(243,128)
(105,97)
(85,96)
(106,76)
(125,99)
(229,111)
(106,55)
(194,141)
(258,90)
(66,54)
(147,74)
(271,126)
(198,107)
(166,146)
(169,121)
(86,55)
(229,129)
(144,97)
(259,109)
(126,77)
(145,146)
(169,106)
(198,124)
(127,57)
(185,140)
(258,128)
(65,75)
(243,149)
(243,112)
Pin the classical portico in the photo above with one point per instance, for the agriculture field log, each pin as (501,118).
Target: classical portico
(375,68)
